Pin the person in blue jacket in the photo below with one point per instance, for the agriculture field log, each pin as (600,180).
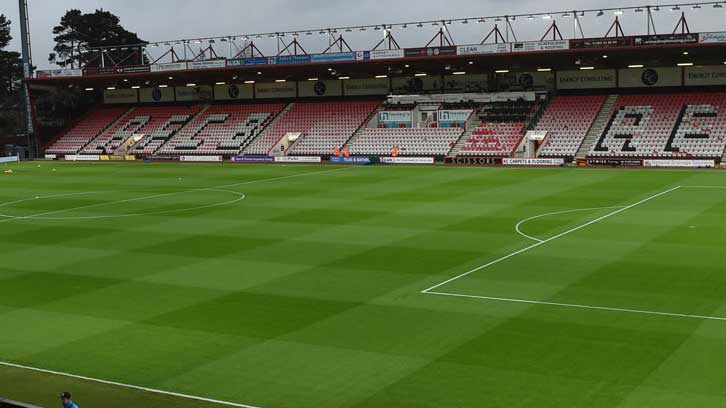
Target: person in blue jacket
(66,400)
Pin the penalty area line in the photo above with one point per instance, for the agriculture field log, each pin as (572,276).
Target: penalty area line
(558,236)
(577,306)
(129,386)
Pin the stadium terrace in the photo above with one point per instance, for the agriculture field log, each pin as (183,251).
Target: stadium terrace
(616,99)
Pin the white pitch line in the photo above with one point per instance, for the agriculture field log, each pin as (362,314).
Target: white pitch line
(42,216)
(519,224)
(537,244)
(134,387)
(571,305)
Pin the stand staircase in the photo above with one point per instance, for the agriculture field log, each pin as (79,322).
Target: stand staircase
(598,126)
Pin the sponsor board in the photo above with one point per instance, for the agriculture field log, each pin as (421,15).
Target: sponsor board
(708,75)
(429,52)
(298,159)
(478,49)
(172,66)
(350,160)
(601,78)
(124,70)
(156,95)
(665,39)
(51,156)
(366,86)
(615,162)
(120,96)
(211,64)
(407,160)
(290,60)
(86,157)
(253,159)
(416,85)
(538,46)
(194,93)
(454,115)
(611,42)
(395,117)
(248,61)
(381,54)
(333,57)
(117,158)
(712,38)
(466,83)
(320,88)
(55,73)
(649,77)
(12,159)
(513,81)
(474,161)
(534,162)
(276,90)
(233,92)
(201,159)
(693,164)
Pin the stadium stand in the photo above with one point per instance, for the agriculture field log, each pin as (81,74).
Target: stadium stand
(500,129)
(410,141)
(331,126)
(86,130)
(324,126)
(665,126)
(166,123)
(221,130)
(567,120)
(493,139)
(139,121)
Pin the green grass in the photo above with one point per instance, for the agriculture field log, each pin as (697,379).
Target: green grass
(307,292)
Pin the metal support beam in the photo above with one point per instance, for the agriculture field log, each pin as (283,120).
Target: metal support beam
(554,30)
(510,29)
(297,49)
(442,37)
(388,41)
(337,46)
(651,22)
(577,29)
(249,51)
(682,25)
(617,27)
(33,145)
(497,33)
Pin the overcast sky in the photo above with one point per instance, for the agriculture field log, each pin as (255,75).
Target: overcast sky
(159,20)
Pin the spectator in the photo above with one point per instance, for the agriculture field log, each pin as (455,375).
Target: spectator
(66,400)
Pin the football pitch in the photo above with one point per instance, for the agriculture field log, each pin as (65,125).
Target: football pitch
(167,285)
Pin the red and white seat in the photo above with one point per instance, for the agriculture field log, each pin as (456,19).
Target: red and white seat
(89,128)
(221,130)
(690,125)
(567,121)
(493,139)
(329,126)
(324,126)
(410,141)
